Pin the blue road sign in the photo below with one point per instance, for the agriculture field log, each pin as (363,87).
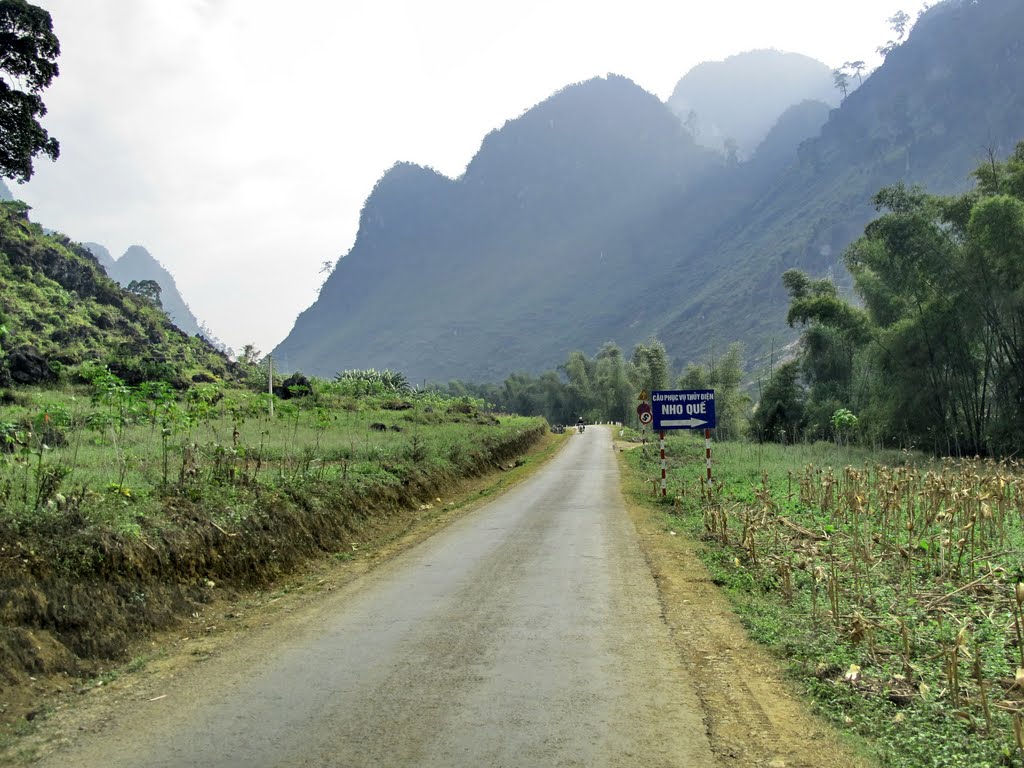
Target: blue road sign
(683,409)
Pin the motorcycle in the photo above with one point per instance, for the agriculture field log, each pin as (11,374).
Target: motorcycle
(581,427)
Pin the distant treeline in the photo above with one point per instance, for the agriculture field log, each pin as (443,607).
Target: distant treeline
(605,387)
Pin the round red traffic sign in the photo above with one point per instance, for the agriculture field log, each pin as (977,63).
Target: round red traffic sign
(646,417)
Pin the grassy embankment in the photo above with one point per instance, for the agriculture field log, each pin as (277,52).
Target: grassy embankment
(890,584)
(121,508)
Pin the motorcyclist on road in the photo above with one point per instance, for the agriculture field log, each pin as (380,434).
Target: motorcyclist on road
(579,424)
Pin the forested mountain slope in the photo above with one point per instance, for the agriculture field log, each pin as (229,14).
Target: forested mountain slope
(59,310)
(595,216)
(929,115)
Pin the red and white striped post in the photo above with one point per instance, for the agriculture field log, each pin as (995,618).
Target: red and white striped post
(707,454)
(664,463)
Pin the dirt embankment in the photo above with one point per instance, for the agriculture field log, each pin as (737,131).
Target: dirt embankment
(72,601)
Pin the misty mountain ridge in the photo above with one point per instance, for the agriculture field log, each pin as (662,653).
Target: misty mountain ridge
(554,207)
(531,217)
(742,97)
(136,263)
(596,215)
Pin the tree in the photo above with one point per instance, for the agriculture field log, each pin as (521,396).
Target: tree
(147,289)
(28,64)
(614,392)
(250,355)
(834,332)
(844,422)
(856,67)
(779,416)
(695,377)
(841,81)
(522,395)
(933,356)
(898,24)
(649,367)
(691,124)
(723,375)
(732,151)
(732,406)
(916,283)
(579,369)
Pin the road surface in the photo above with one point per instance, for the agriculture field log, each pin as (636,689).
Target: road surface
(527,633)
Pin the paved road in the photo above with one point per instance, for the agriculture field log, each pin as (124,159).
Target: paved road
(528,633)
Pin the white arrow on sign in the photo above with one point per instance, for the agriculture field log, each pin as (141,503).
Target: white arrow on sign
(685,423)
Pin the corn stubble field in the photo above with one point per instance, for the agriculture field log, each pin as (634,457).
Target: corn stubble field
(891,583)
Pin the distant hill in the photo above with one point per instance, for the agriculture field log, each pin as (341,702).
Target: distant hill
(595,216)
(138,264)
(102,255)
(742,97)
(61,311)
(518,260)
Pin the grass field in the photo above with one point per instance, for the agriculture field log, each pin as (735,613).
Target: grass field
(892,584)
(111,456)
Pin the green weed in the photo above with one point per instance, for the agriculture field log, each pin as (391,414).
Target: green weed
(111,457)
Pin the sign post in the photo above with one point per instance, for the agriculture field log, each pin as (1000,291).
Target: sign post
(664,462)
(707,456)
(684,409)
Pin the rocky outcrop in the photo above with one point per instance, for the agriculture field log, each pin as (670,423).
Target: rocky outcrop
(26,365)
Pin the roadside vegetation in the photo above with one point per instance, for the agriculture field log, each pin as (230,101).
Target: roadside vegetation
(122,506)
(891,583)
(103,452)
(931,354)
(605,387)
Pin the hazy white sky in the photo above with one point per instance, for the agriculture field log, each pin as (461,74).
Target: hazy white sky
(238,139)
